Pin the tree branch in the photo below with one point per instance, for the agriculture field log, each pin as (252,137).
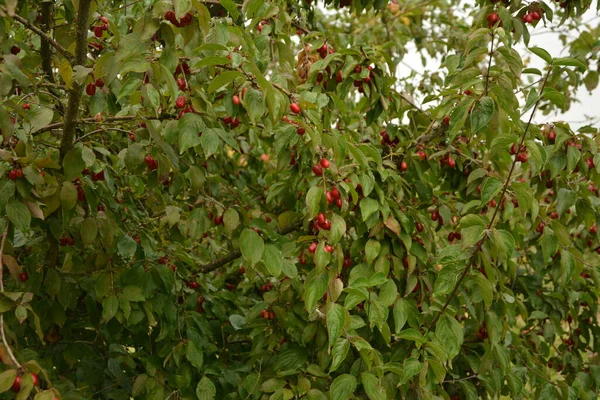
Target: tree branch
(40,33)
(81,26)
(237,253)
(4,341)
(45,45)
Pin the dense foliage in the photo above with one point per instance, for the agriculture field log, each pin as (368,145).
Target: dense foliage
(205,199)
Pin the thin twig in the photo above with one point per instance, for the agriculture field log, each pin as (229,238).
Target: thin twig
(6,346)
(487,74)
(41,34)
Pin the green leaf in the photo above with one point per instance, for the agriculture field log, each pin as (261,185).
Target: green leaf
(88,231)
(401,311)
(342,387)
(273,260)
(313,201)
(490,189)
(411,368)
(127,246)
(486,288)
(251,246)
(133,293)
(338,229)
(190,125)
(336,319)
(222,79)
(182,7)
(570,62)
(446,280)
(194,355)
(567,266)
(367,207)
(210,142)
(206,390)
(231,8)
(541,53)
(213,60)
(450,333)
(315,287)
(237,321)
(231,220)
(254,102)
(134,157)
(110,306)
(7,378)
(482,114)
(372,386)
(19,215)
(68,196)
(566,199)
(339,351)
(372,250)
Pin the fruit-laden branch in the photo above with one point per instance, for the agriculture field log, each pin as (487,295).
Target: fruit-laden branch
(6,346)
(237,253)
(40,33)
(479,244)
(81,26)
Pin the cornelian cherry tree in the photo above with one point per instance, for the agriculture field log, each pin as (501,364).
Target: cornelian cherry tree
(244,200)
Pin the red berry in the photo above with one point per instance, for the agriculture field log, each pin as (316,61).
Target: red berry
(236,100)
(422,154)
(527,18)
(100,82)
(227,120)
(180,102)
(16,386)
(347,262)
(235,123)
(403,166)
(328,248)
(132,137)
(419,227)
(26,106)
(98,31)
(447,120)
(100,207)
(493,18)
(12,175)
(590,163)
(522,157)
(338,77)
(300,131)
(338,203)
(435,215)
(90,89)
(104,19)
(326,225)
(313,247)
(593,229)
(321,218)
(317,170)
(536,16)
(451,162)
(295,108)
(335,193)
(181,83)
(151,163)
(23,277)
(15,50)
(98,177)
(324,163)
(35,379)
(451,237)
(552,136)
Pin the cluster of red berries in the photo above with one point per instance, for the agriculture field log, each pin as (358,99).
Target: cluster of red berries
(15,174)
(261,24)
(325,49)
(26,106)
(435,216)
(265,287)
(185,21)
(151,163)
(66,241)
(334,195)
(448,160)
(232,122)
(321,222)
(317,169)
(492,19)
(532,16)
(16,386)
(266,314)
(180,104)
(386,141)
(313,247)
(454,236)
(366,80)
(100,28)
(192,284)
(90,88)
